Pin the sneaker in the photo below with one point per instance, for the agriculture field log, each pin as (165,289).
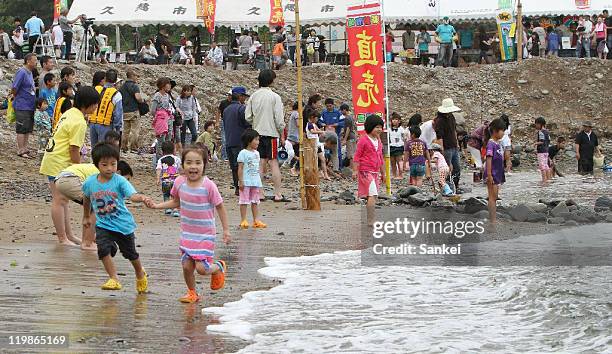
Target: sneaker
(111,284)
(217,280)
(176,213)
(142,284)
(245,224)
(190,298)
(168,211)
(259,225)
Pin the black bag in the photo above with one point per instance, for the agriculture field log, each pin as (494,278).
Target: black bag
(143,108)
(178,118)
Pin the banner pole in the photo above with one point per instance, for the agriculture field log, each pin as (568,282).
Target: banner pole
(519,32)
(386,113)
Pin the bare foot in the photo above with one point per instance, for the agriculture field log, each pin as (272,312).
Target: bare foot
(75,240)
(90,247)
(67,242)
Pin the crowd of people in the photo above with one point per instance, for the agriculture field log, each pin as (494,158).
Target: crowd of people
(77,123)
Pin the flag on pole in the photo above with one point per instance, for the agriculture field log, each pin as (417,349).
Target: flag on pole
(365,43)
(206,10)
(277,17)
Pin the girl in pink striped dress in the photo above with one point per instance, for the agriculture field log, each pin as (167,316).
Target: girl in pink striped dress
(198,198)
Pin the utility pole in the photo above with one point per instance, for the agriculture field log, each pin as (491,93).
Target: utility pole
(310,194)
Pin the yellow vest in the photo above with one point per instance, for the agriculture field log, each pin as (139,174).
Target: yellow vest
(57,112)
(104,114)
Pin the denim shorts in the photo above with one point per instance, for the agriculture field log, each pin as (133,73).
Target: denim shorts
(417,170)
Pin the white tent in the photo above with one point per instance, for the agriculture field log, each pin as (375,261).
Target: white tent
(257,12)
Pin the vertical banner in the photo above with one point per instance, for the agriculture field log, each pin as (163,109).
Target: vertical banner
(506,29)
(206,10)
(365,44)
(277,17)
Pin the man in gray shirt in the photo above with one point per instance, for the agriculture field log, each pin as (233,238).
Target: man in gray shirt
(67,30)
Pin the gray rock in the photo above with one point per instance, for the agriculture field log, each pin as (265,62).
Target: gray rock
(590,81)
(545,92)
(442,204)
(517,148)
(537,207)
(591,216)
(570,223)
(536,217)
(408,191)
(556,221)
(609,218)
(603,202)
(483,214)
(520,212)
(551,203)
(559,210)
(529,149)
(599,75)
(420,199)
(346,172)
(474,205)
(347,196)
(521,81)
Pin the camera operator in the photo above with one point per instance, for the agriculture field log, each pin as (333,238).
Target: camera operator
(66,27)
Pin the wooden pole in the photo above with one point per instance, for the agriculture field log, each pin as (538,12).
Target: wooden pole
(519,32)
(309,171)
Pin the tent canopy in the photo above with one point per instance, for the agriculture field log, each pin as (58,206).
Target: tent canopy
(257,12)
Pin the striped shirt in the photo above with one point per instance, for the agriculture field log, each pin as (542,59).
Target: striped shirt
(198,231)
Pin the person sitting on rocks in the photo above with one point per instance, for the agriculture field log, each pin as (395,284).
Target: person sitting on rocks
(214,57)
(185,53)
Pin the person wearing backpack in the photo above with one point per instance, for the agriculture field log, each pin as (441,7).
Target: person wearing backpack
(132,102)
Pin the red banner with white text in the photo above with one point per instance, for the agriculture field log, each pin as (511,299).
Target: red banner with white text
(364,29)
(277,17)
(206,10)
(58,5)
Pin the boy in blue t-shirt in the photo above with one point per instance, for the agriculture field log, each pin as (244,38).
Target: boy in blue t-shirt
(333,120)
(105,192)
(49,92)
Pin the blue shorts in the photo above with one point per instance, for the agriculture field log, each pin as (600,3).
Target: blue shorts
(51,178)
(417,170)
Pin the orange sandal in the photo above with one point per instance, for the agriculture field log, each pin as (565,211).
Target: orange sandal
(259,225)
(217,280)
(190,298)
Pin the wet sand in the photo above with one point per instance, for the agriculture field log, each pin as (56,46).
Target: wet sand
(55,289)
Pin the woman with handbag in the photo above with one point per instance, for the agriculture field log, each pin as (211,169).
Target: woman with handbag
(161,109)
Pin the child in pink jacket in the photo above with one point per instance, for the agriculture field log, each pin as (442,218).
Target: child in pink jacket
(369,166)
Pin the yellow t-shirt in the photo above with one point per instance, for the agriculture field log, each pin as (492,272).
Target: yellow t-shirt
(206,139)
(71,130)
(82,170)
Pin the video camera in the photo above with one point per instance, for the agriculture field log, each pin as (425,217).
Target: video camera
(87,21)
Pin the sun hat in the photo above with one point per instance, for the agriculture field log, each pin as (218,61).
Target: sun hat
(448,106)
(435,147)
(587,124)
(239,90)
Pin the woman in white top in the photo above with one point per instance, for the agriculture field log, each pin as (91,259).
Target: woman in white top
(186,57)
(312,47)
(506,142)
(396,146)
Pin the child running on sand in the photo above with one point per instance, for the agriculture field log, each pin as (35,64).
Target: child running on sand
(168,169)
(249,180)
(369,166)
(198,197)
(542,144)
(494,170)
(69,184)
(115,225)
